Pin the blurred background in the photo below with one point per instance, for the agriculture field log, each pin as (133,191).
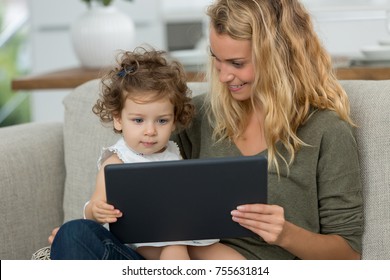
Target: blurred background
(35,39)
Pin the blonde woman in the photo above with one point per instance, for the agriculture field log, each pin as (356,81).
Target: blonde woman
(273,93)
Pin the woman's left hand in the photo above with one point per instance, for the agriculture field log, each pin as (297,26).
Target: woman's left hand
(265,220)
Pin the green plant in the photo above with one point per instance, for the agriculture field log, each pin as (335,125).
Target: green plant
(10,61)
(102,2)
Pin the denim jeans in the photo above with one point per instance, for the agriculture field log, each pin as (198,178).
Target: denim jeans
(88,240)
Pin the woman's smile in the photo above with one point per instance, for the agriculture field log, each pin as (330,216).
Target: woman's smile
(236,88)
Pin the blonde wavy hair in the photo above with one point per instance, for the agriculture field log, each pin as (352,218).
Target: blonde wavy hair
(293,72)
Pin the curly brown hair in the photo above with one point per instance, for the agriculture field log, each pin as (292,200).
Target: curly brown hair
(143,72)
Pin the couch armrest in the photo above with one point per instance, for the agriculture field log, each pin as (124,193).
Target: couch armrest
(32,173)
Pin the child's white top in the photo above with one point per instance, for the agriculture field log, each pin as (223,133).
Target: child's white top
(127,155)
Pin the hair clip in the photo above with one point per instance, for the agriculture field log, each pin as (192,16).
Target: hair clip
(128,69)
(121,73)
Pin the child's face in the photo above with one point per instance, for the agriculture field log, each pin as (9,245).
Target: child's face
(146,126)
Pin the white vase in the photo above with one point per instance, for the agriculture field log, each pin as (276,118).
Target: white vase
(99,34)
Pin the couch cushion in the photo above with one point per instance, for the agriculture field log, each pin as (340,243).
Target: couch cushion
(84,136)
(370,103)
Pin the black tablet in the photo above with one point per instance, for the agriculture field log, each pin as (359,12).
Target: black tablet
(183,199)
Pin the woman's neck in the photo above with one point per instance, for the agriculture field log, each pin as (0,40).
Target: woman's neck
(252,140)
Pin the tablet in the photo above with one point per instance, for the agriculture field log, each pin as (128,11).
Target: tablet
(184,199)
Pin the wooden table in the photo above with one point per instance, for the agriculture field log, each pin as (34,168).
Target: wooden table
(71,78)
(363,73)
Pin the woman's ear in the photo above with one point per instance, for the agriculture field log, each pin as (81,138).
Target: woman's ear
(118,123)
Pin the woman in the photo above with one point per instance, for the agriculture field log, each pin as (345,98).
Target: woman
(273,93)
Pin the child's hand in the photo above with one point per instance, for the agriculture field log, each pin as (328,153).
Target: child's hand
(103,212)
(52,235)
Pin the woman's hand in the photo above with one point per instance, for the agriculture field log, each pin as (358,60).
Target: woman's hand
(268,222)
(265,220)
(103,212)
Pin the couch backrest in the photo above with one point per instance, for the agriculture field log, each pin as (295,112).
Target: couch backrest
(370,109)
(84,136)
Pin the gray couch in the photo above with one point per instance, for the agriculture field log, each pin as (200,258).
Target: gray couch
(47,170)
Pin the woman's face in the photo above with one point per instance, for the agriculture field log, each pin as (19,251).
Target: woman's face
(233,61)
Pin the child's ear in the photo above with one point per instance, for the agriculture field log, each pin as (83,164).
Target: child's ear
(118,123)
(173,127)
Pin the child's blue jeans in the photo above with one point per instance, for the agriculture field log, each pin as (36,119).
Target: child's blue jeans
(88,240)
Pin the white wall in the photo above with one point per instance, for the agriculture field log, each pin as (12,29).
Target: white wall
(346,26)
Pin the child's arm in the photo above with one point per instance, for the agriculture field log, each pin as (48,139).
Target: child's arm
(97,209)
